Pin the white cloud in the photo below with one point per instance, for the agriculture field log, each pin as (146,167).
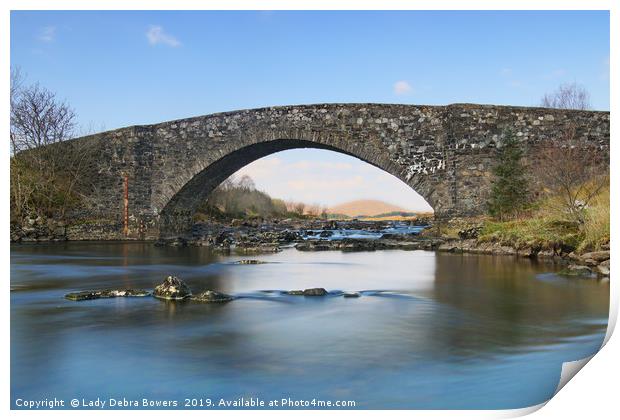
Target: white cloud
(508,74)
(402,87)
(325,186)
(516,83)
(555,74)
(262,168)
(605,73)
(312,165)
(47,34)
(156,35)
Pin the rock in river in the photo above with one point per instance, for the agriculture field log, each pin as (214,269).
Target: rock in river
(351,294)
(576,270)
(172,288)
(319,291)
(210,296)
(245,262)
(295,292)
(107,293)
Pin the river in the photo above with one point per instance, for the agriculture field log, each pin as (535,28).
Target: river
(430,330)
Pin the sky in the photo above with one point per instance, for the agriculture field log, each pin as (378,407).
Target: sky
(124,68)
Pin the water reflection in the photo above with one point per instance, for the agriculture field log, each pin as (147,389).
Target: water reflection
(429,331)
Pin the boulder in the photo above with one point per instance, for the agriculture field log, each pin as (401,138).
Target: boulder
(499,249)
(351,294)
(450,246)
(210,296)
(288,236)
(470,232)
(576,270)
(330,225)
(107,293)
(601,269)
(253,248)
(295,292)
(314,246)
(358,245)
(172,288)
(590,262)
(596,256)
(546,253)
(319,291)
(526,252)
(247,262)
(223,238)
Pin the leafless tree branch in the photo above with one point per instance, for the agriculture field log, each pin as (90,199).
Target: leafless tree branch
(567,96)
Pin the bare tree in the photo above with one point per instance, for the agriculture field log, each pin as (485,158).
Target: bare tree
(39,119)
(567,96)
(299,208)
(246,183)
(17,80)
(313,210)
(573,175)
(43,176)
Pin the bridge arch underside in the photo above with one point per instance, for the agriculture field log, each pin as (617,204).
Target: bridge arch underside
(177,215)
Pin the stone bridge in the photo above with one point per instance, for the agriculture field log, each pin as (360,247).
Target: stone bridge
(445,153)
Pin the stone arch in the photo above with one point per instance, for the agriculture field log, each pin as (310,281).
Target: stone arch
(177,214)
(445,153)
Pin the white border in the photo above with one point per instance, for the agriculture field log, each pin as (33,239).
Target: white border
(594,393)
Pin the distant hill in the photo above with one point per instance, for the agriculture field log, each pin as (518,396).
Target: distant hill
(359,208)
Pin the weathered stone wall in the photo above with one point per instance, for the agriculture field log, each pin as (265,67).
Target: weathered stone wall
(445,153)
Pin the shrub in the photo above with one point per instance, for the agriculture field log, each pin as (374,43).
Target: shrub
(509,191)
(596,223)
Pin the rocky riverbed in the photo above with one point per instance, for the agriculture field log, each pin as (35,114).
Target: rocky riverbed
(271,236)
(175,289)
(305,235)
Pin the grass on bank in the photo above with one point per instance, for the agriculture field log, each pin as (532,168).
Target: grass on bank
(548,226)
(596,225)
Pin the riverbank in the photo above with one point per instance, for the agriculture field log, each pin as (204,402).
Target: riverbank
(470,236)
(584,249)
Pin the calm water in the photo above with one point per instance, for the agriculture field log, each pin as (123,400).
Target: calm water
(430,330)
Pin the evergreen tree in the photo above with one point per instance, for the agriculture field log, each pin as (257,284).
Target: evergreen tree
(509,193)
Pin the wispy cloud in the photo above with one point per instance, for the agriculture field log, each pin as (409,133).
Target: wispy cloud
(508,74)
(47,34)
(313,165)
(605,72)
(402,87)
(156,35)
(555,74)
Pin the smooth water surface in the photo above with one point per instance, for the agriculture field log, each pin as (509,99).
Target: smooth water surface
(430,330)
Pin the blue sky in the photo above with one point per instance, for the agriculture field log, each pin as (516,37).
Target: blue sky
(124,68)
